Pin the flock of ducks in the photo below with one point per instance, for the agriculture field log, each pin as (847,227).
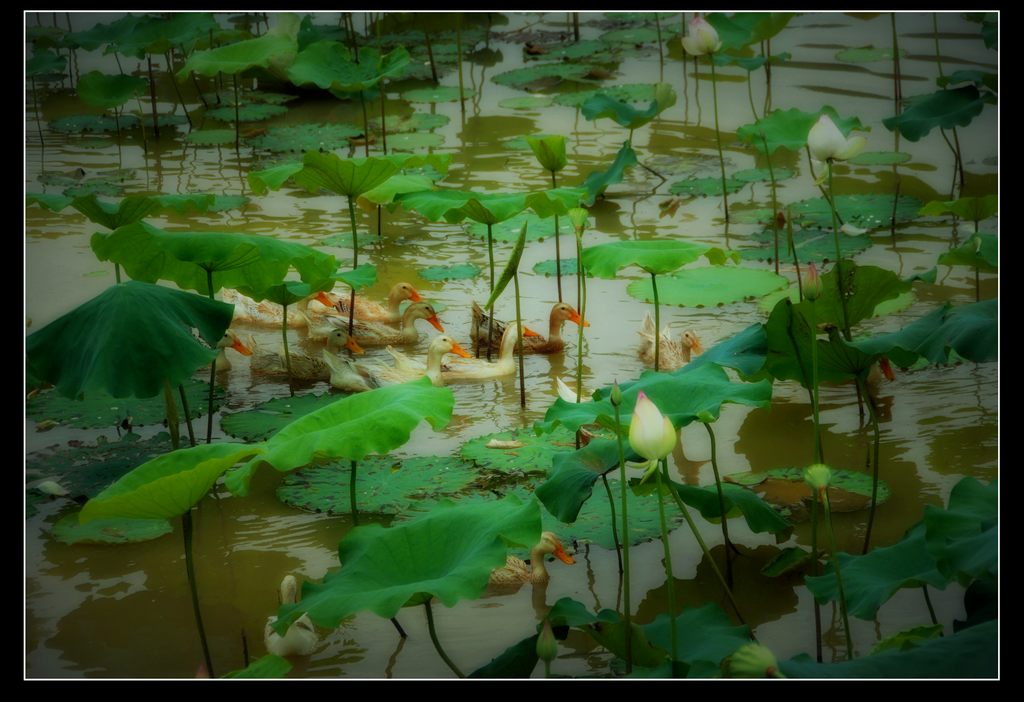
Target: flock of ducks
(326,318)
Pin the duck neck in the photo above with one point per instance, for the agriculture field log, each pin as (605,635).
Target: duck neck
(221,363)
(395,298)
(555,328)
(686,353)
(508,344)
(434,366)
(409,333)
(538,570)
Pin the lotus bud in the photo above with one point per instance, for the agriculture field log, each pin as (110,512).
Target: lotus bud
(818,476)
(701,38)
(827,143)
(578,217)
(753,660)
(812,284)
(547,646)
(550,151)
(651,434)
(616,395)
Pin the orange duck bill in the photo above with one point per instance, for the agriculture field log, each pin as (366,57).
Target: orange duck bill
(436,323)
(324,300)
(414,295)
(459,351)
(352,346)
(562,555)
(241,348)
(574,316)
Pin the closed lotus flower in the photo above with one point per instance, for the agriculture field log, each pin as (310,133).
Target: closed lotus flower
(701,38)
(827,143)
(651,434)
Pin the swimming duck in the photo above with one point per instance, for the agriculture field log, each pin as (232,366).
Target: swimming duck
(370,311)
(517,572)
(301,638)
(230,340)
(348,376)
(374,334)
(268,314)
(406,369)
(532,342)
(674,353)
(473,369)
(304,367)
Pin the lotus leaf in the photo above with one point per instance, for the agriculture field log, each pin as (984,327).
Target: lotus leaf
(328,65)
(447,553)
(963,538)
(866,287)
(105,33)
(459,271)
(759,515)
(629,92)
(272,178)
(269,666)
(974,209)
(91,123)
(488,208)
(157,35)
(534,456)
(880,158)
(638,17)
(553,73)
(811,245)
(415,140)
(624,114)
(51,202)
(598,181)
(593,523)
(116,214)
(745,351)
(385,193)
(99,90)
(305,137)
(45,62)
(551,267)
(867,54)
(864,211)
(200,202)
(529,102)
(656,256)
(508,273)
(418,122)
(786,489)
(211,137)
(537,229)
(908,639)
(708,287)
(109,531)
(168,485)
(742,28)
(703,634)
(981,250)
(127,341)
(573,474)
(944,108)
(273,49)
(440,93)
(247,113)
(789,128)
(981,79)
(607,628)
(788,560)
(358,278)
(259,423)
(704,186)
(749,63)
(517,661)
(383,485)
(755,175)
(635,35)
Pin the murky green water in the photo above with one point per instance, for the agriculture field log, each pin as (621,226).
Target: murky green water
(124,611)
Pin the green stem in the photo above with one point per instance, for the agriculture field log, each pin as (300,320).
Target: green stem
(814,571)
(657,323)
(284,340)
(959,159)
(581,290)
(623,483)
(355,263)
(814,176)
(839,575)
(366,125)
(190,569)
(615,528)
(39,119)
(767,77)
(750,94)
(117,272)
(839,257)
(873,414)
(213,369)
(430,53)
(383,127)
(458,48)
(234,81)
(188,416)
(171,412)
(177,90)
(775,204)
(721,505)
(437,643)
(796,259)
(718,139)
(352,493)
(558,250)
(814,383)
(152,96)
(519,342)
(490,261)
(928,601)
(669,578)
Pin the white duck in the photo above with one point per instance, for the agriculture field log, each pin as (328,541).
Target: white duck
(230,340)
(301,638)
(406,369)
(268,314)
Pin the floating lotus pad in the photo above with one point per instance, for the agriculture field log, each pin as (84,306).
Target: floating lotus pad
(440,93)
(92,123)
(709,286)
(247,113)
(270,98)
(811,245)
(593,525)
(259,423)
(634,35)
(534,456)
(417,122)
(864,211)
(306,137)
(655,256)
(519,143)
(211,137)
(537,228)
(879,158)
(704,186)
(99,409)
(528,102)
(849,491)
(109,531)
(755,175)
(411,141)
(629,92)
(591,50)
(867,54)
(945,108)
(550,267)
(384,485)
(461,271)
(553,72)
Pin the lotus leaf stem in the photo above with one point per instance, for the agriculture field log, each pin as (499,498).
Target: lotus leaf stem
(490,319)
(355,263)
(839,575)
(437,644)
(657,324)
(775,206)
(152,95)
(792,248)
(669,577)
(366,124)
(750,94)
(284,340)
(839,257)
(814,571)
(188,415)
(928,602)
(818,458)
(398,628)
(558,250)
(721,504)
(718,139)
(873,414)
(519,342)
(190,569)
(177,90)
(615,528)
(213,371)
(623,482)
(430,54)
(171,411)
(458,48)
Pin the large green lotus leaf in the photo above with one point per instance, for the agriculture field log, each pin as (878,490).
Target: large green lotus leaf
(112,215)
(377,421)
(45,62)
(447,553)
(866,286)
(329,65)
(440,93)
(516,661)
(49,201)
(963,537)
(488,208)
(105,33)
(270,49)
(629,92)
(546,72)
(760,175)
(749,63)
(946,109)
(349,176)
(361,277)
(99,90)
(259,423)
(681,396)
(158,35)
(534,456)
(73,124)
(566,266)
(573,474)
(973,653)
(880,158)
(128,341)
(98,409)
(789,128)
(704,186)
(235,260)
(981,250)
(184,203)
(979,78)
(527,102)
(269,666)
(305,137)
(411,141)
(870,580)
(745,351)
(593,524)
(654,256)
(598,181)
(601,105)
(549,150)
(867,54)
(789,349)
(785,488)
(247,113)
(537,229)
(759,515)
(272,178)
(287,292)
(385,193)
(383,485)
(109,531)
(702,634)
(608,629)
(86,470)
(709,286)
(811,245)
(459,271)
(211,137)
(417,122)
(973,209)
(168,485)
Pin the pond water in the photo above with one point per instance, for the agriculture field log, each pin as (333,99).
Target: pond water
(125,611)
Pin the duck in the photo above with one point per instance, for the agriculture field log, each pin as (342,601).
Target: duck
(673,353)
(370,311)
(474,369)
(268,314)
(532,342)
(304,367)
(406,369)
(517,572)
(347,375)
(230,340)
(301,638)
(375,334)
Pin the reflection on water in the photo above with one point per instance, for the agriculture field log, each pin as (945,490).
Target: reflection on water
(124,611)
